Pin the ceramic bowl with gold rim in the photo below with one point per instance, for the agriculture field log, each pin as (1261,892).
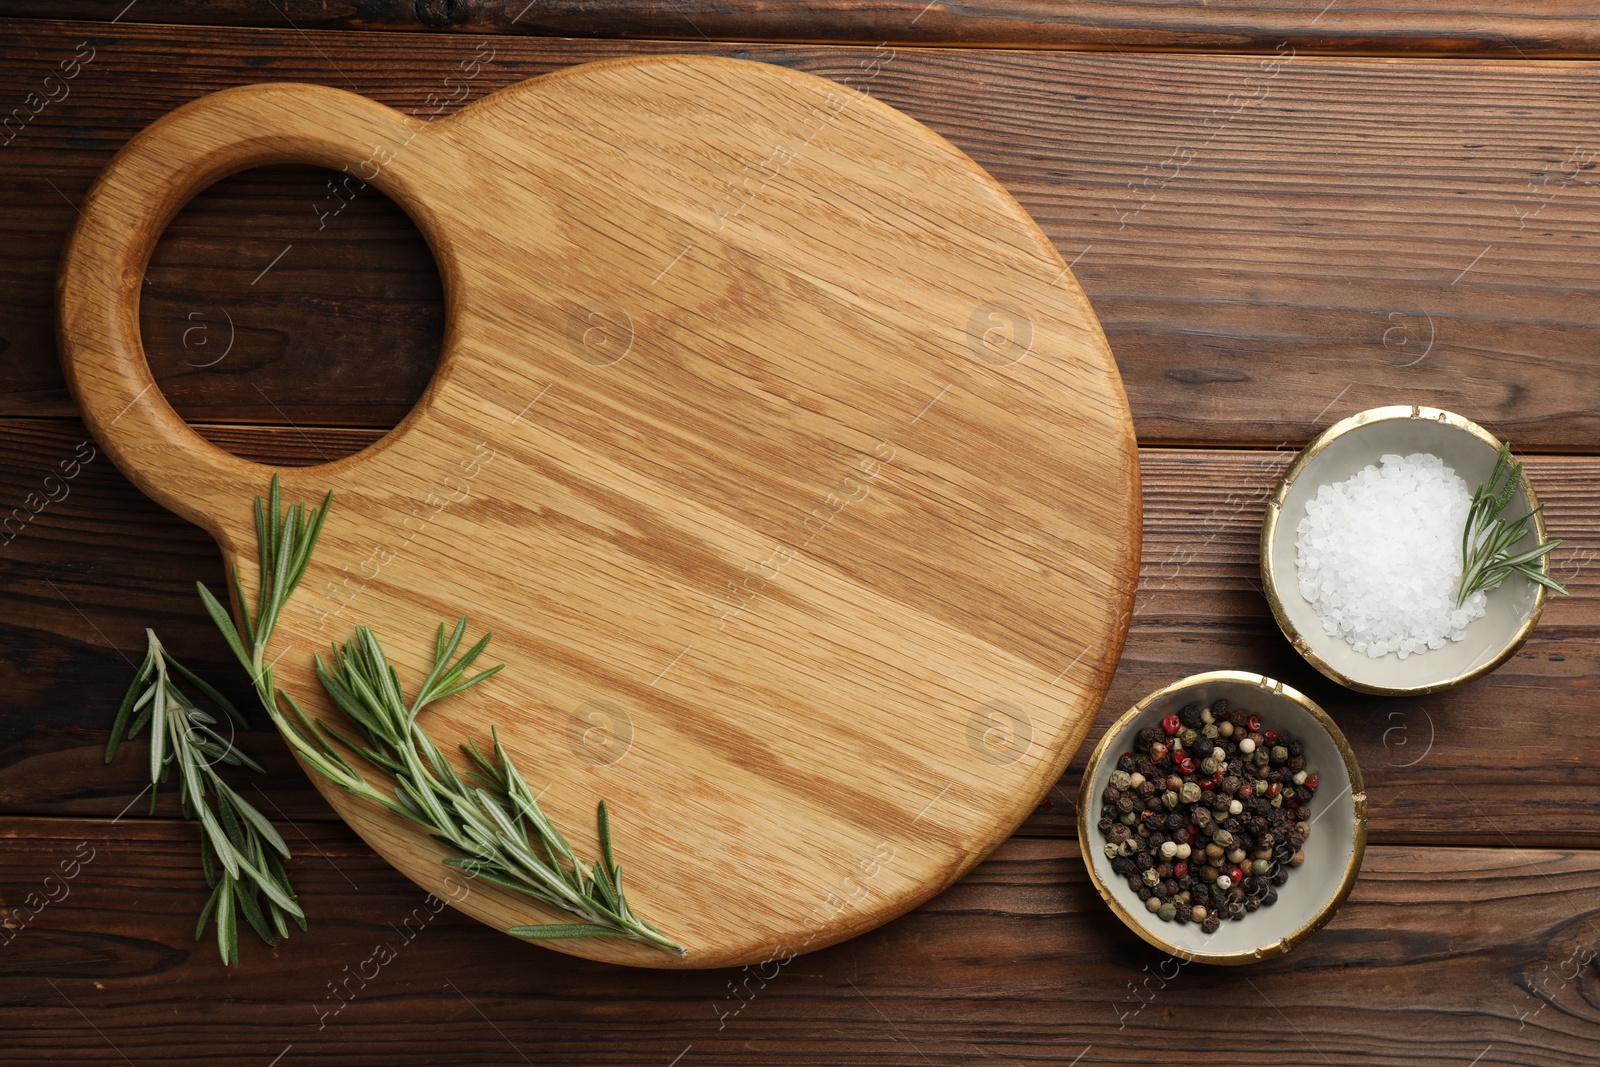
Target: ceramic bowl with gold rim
(1333,850)
(1336,454)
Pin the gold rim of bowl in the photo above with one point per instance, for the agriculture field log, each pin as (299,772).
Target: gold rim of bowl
(1269,527)
(1358,793)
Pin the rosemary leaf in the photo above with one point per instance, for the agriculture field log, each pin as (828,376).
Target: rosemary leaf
(554,931)
(1487,540)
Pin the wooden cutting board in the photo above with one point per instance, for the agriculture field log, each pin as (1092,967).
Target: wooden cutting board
(775,443)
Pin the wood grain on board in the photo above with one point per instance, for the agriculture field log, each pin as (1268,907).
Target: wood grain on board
(1262,239)
(1439,956)
(1412,27)
(90,572)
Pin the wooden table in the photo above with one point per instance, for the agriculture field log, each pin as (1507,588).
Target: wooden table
(1282,213)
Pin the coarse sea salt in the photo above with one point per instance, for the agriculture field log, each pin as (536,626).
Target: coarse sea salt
(1378,556)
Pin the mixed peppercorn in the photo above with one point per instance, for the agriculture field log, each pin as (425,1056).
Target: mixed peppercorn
(1208,813)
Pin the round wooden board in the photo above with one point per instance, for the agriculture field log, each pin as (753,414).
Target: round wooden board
(773,440)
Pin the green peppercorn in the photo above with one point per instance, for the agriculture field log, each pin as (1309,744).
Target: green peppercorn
(1167,912)
(1261,866)
(1151,878)
(1190,793)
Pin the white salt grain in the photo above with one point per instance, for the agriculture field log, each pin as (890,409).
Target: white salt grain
(1378,556)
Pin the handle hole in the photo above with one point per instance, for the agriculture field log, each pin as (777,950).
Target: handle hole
(292,315)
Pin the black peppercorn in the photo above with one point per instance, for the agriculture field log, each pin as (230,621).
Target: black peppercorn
(1154,816)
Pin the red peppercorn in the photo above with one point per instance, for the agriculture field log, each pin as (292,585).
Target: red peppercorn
(1294,803)
(1272,737)
(1171,725)
(1246,792)
(1274,789)
(1186,765)
(1254,724)
(1180,869)
(1217,778)
(1207,785)
(1311,782)
(1158,752)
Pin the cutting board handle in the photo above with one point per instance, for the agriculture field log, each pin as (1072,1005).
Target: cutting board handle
(122,218)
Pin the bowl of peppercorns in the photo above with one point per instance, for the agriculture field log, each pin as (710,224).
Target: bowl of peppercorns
(1223,818)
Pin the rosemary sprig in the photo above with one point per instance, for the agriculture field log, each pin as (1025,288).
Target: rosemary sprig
(284,540)
(251,880)
(490,816)
(1487,558)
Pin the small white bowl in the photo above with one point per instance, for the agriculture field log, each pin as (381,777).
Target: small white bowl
(1336,454)
(1333,851)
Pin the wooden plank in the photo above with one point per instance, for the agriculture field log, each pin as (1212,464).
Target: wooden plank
(1439,956)
(1255,265)
(1562,28)
(88,573)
